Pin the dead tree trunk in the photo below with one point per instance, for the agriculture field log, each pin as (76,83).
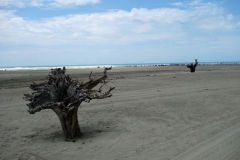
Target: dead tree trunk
(193,67)
(64,96)
(69,123)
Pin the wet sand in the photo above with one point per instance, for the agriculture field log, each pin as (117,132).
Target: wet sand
(162,112)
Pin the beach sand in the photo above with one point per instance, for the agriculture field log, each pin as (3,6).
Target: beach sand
(161,113)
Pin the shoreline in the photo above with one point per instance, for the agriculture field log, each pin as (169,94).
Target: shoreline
(24,78)
(25,68)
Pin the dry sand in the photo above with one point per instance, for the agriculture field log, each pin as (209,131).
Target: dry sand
(158,113)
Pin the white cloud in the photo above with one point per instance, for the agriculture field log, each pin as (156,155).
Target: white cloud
(195,2)
(137,25)
(69,3)
(177,4)
(36,3)
(238,24)
(118,26)
(229,17)
(17,3)
(53,3)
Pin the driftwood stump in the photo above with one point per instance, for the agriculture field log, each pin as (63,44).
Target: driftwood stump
(193,67)
(64,95)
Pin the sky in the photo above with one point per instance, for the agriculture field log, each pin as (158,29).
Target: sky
(84,32)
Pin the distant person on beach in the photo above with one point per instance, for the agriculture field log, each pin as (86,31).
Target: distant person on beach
(193,67)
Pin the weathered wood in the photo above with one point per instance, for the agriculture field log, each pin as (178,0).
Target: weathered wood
(193,67)
(64,95)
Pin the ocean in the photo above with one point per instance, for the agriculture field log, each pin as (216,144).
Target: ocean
(48,67)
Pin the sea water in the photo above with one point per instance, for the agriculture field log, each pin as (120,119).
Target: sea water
(48,67)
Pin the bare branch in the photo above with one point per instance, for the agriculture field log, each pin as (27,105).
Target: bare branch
(106,69)
(90,76)
(104,95)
